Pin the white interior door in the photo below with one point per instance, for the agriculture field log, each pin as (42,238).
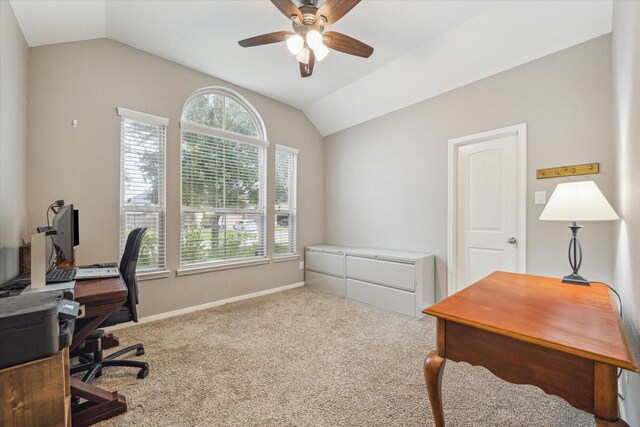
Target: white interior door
(489,221)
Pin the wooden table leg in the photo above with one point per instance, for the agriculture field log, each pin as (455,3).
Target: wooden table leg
(433,369)
(605,396)
(100,405)
(80,334)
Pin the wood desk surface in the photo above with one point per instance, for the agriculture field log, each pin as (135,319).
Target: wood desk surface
(579,320)
(97,291)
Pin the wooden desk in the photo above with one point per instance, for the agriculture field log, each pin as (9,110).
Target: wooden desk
(100,298)
(566,339)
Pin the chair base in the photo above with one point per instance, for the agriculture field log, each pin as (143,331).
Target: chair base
(94,368)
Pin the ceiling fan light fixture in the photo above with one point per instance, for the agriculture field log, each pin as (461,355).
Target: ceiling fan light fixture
(295,44)
(321,52)
(304,55)
(309,41)
(314,39)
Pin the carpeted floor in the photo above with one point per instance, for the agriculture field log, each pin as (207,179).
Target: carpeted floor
(307,358)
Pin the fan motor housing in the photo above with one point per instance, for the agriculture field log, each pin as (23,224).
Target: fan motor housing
(313,3)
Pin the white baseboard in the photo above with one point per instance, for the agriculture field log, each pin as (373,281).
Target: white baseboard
(205,306)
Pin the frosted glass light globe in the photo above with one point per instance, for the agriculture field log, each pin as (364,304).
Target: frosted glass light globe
(314,39)
(303,56)
(295,43)
(321,52)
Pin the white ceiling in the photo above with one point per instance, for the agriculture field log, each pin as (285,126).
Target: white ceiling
(416,44)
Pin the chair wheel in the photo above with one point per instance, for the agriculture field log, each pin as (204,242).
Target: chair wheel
(143,373)
(140,351)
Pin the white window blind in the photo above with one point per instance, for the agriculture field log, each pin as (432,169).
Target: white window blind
(223,193)
(285,201)
(223,180)
(143,185)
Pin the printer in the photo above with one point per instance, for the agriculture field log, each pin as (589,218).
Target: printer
(33,326)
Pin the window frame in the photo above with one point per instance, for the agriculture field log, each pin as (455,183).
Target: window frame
(293,206)
(159,270)
(262,143)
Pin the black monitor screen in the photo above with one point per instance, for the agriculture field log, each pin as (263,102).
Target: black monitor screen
(64,237)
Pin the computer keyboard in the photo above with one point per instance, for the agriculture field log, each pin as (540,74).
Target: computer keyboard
(15,287)
(61,275)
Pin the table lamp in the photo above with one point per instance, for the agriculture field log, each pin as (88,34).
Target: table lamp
(573,202)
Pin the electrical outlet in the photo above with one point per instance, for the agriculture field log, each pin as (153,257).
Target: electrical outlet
(301,265)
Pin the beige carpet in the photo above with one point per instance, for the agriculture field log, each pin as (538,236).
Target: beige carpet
(307,358)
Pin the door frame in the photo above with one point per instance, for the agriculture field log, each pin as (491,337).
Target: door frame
(519,130)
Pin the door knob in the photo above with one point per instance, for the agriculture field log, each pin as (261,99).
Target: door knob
(512,240)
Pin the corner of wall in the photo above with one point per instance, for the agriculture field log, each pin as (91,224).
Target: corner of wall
(14,53)
(626,136)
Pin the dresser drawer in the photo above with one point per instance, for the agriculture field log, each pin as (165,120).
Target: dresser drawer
(395,300)
(394,274)
(322,262)
(334,285)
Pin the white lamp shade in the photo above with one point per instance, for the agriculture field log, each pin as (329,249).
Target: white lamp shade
(578,201)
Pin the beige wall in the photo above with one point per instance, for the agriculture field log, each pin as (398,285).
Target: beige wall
(626,131)
(14,54)
(386,180)
(86,81)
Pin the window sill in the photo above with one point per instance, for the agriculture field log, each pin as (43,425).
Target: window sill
(284,258)
(186,271)
(150,275)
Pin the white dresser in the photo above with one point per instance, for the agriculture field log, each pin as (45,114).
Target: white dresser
(398,281)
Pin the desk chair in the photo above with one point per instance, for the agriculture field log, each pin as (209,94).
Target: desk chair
(127,313)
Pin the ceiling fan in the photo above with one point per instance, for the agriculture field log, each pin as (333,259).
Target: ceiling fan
(308,41)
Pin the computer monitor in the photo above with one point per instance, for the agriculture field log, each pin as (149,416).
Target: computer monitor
(66,235)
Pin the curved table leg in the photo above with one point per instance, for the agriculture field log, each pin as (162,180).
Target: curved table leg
(433,369)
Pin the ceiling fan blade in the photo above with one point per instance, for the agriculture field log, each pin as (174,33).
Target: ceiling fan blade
(278,36)
(307,69)
(333,10)
(287,8)
(346,44)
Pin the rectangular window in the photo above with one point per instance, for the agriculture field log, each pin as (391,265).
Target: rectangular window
(285,202)
(143,185)
(223,193)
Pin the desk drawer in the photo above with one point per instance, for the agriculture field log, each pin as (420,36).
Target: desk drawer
(334,285)
(380,296)
(322,262)
(394,274)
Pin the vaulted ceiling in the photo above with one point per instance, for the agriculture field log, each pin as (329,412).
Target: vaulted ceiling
(422,48)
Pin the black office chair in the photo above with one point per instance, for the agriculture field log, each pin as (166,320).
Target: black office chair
(95,362)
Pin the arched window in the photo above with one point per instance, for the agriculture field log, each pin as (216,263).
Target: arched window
(222,109)
(223,145)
